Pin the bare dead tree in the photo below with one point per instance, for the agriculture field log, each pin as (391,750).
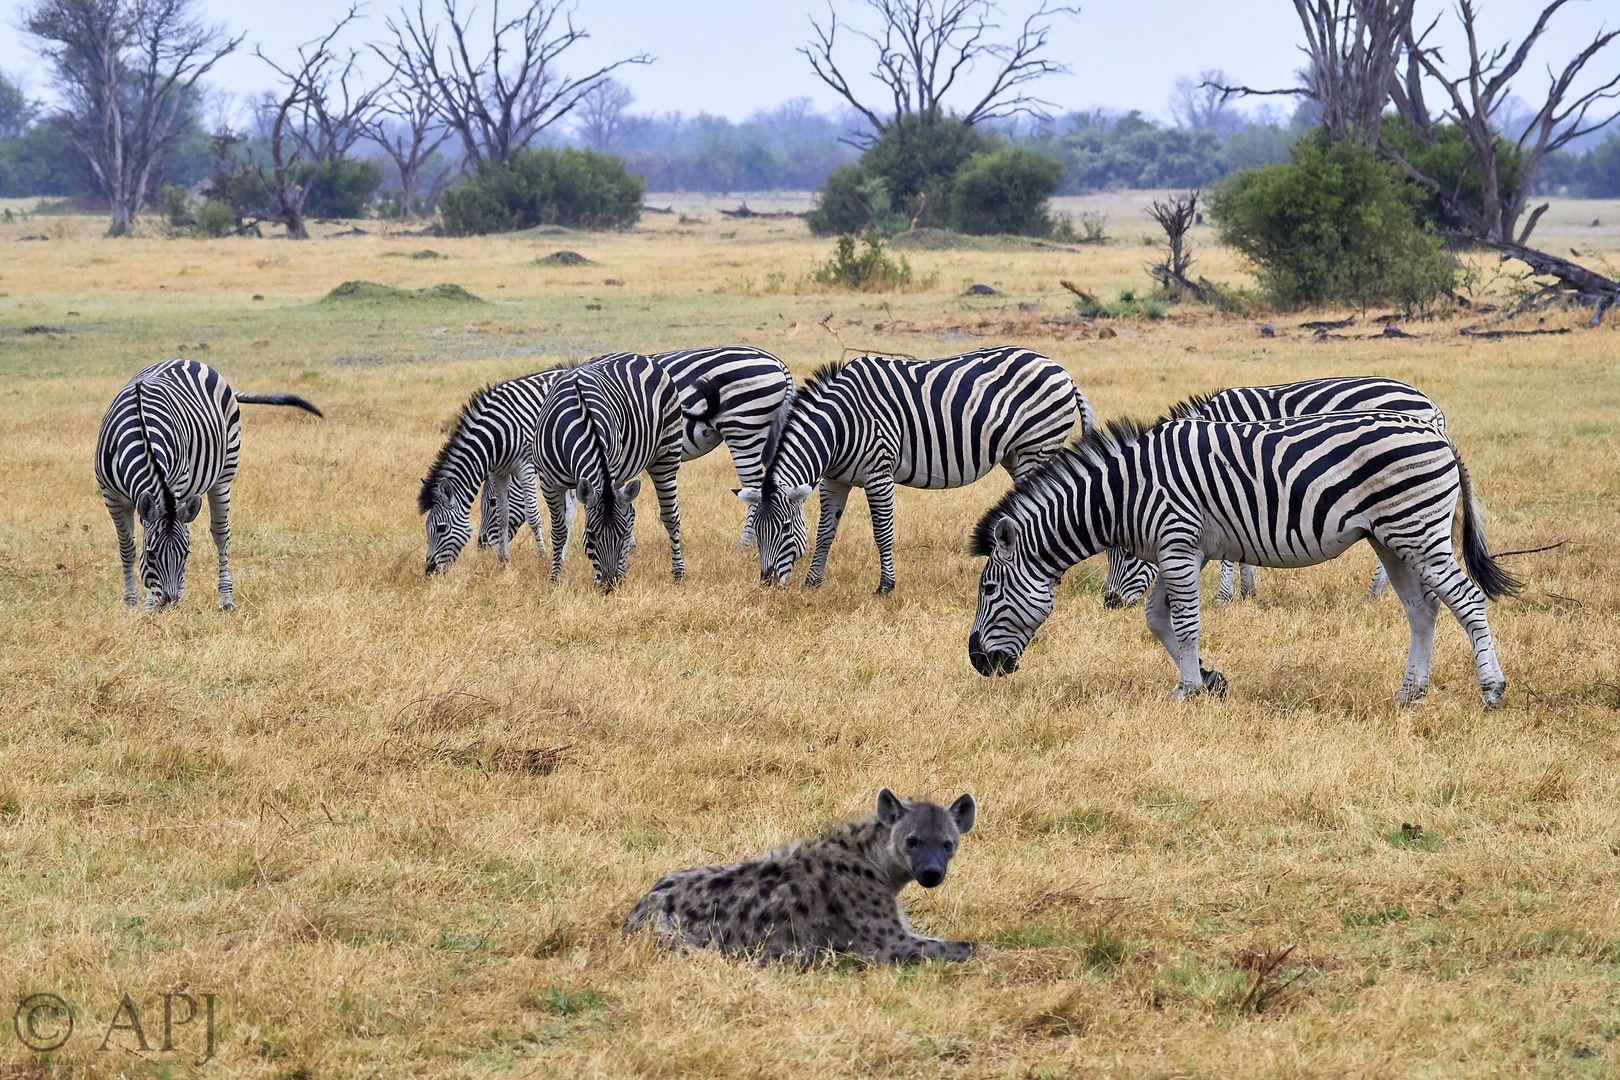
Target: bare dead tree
(602,112)
(925,46)
(1474,100)
(417,130)
(1196,104)
(1176,217)
(1355,48)
(309,126)
(499,103)
(125,68)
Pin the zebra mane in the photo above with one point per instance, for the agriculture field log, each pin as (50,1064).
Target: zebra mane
(1191,408)
(1094,448)
(594,433)
(798,403)
(427,497)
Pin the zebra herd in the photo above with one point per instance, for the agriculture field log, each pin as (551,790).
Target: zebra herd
(1280,476)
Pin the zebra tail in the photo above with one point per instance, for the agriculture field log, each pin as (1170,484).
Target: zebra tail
(278,399)
(1493,581)
(711,403)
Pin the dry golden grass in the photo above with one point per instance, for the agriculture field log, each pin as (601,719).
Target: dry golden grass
(394,823)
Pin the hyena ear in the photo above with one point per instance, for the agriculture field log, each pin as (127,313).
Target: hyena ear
(748,495)
(889,808)
(1006,535)
(632,489)
(799,494)
(188,510)
(964,811)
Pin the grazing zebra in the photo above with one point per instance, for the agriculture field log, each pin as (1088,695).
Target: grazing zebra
(875,423)
(170,435)
(490,446)
(1129,578)
(603,423)
(744,388)
(1286,493)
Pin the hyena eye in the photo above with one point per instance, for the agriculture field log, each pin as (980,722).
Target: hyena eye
(911,841)
(948,847)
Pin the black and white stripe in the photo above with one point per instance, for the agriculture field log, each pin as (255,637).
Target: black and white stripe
(1129,578)
(603,423)
(875,423)
(490,447)
(1287,493)
(170,436)
(730,393)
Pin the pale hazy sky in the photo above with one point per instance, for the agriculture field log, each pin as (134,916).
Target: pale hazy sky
(731,57)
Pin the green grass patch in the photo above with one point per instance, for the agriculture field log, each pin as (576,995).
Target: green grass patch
(370,294)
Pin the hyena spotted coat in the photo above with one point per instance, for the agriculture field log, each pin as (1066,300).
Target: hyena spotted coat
(839,893)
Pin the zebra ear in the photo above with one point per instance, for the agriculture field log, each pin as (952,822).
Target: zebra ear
(889,808)
(799,494)
(1006,535)
(632,489)
(188,510)
(582,492)
(748,495)
(145,505)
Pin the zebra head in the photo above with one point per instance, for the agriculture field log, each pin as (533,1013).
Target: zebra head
(165,543)
(610,526)
(1015,598)
(449,525)
(1129,578)
(779,528)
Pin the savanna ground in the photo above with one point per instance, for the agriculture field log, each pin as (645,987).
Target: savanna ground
(393,824)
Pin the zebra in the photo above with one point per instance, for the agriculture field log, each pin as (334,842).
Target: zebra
(1284,493)
(1129,578)
(744,388)
(602,424)
(489,447)
(875,423)
(170,435)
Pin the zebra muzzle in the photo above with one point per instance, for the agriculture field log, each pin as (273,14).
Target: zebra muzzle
(1113,599)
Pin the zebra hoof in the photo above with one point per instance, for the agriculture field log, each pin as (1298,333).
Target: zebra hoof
(1411,695)
(1222,601)
(227,607)
(1493,696)
(1214,683)
(884,590)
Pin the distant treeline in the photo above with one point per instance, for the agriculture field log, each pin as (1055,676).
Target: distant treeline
(794,147)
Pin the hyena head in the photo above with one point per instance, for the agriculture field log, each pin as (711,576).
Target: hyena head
(165,543)
(922,835)
(779,528)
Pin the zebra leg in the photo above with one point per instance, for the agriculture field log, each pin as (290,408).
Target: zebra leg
(1380,578)
(880,501)
(123,516)
(1173,618)
(1228,573)
(561,509)
(829,511)
(1421,607)
(669,512)
(219,508)
(750,474)
(1245,582)
(1441,573)
(531,507)
(503,501)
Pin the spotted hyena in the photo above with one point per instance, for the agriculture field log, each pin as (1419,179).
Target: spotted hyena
(840,892)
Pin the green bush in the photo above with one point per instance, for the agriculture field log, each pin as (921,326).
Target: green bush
(215,218)
(917,163)
(549,186)
(870,271)
(1127,306)
(1004,192)
(1333,225)
(341,187)
(1451,160)
(174,205)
